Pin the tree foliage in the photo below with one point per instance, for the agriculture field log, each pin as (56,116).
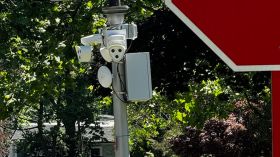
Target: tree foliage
(244,133)
(41,79)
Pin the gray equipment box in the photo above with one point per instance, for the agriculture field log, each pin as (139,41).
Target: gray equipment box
(138,76)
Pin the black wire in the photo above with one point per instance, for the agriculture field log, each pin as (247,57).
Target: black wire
(129,45)
(124,101)
(122,83)
(119,75)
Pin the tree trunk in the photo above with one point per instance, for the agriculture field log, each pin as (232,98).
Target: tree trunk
(40,119)
(70,140)
(55,150)
(40,123)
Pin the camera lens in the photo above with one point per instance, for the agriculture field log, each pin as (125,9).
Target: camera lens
(120,50)
(117,56)
(113,50)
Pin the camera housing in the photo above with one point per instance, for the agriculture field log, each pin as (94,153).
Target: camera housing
(116,45)
(105,54)
(112,42)
(92,39)
(84,53)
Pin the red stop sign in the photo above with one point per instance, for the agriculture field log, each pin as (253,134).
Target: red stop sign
(245,34)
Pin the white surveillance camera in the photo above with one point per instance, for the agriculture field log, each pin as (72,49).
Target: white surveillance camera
(105,54)
(117,52)
(84,53)
(114,45)
(92,39)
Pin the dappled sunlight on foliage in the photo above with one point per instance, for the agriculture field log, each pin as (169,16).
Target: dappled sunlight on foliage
(241,134)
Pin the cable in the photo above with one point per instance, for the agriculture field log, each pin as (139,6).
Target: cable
(130,42)
(122,83)
(119,75)
(124,101)
(129,45)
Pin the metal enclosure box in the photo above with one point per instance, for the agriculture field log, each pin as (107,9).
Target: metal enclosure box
(138,76)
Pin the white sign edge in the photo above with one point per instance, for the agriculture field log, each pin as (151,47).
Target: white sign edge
(214,47)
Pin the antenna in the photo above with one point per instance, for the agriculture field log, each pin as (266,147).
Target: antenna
(104,76)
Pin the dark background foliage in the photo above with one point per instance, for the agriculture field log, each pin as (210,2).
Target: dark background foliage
(179,56)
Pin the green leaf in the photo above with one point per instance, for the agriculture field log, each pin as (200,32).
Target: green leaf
(89,5)
(90,88)
(180,116)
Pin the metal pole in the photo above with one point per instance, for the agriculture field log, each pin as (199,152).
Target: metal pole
(115,12)
(120,111)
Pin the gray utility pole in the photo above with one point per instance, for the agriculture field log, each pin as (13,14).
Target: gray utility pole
(120,112)
(115,14)
(131,76)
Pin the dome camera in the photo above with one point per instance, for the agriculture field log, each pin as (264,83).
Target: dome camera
(116,45)
(117,52)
